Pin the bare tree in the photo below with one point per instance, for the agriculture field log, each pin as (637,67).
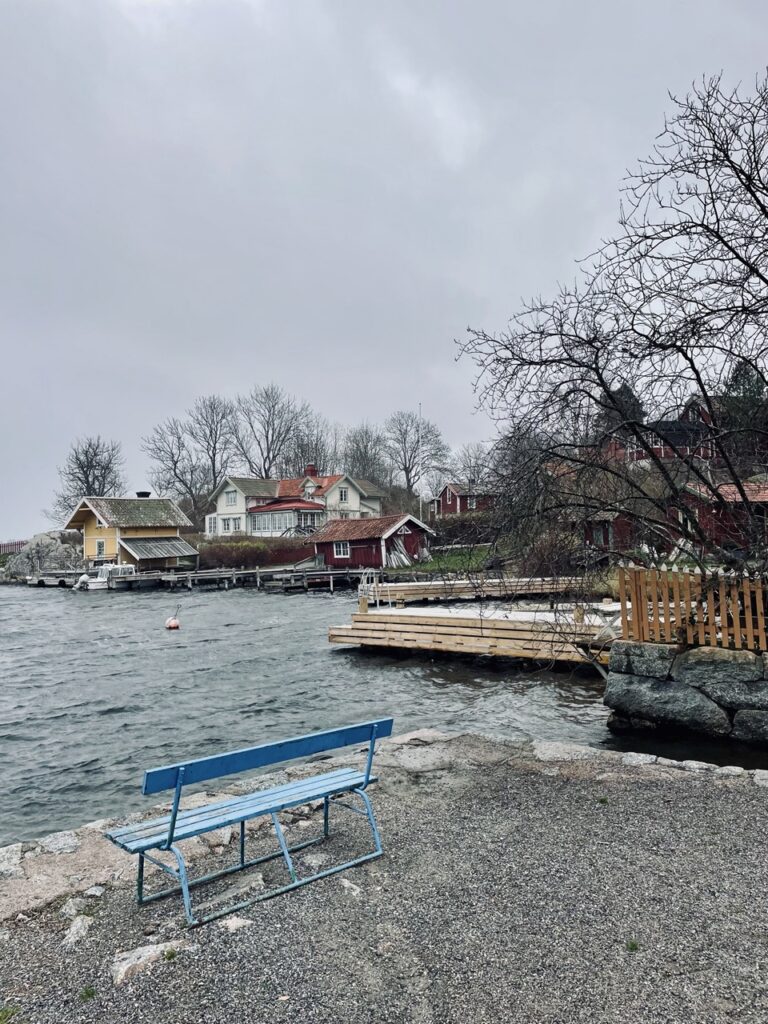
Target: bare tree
(414,446)
(314,441)
(472,464)
(264,428)
(602,375)
(191,456)
(365,454)
(93,466)
(210,424)
(179,470)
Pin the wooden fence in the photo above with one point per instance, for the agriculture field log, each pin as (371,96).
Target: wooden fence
(695,608)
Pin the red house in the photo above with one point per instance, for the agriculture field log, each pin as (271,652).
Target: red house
(386,541)
(457,499)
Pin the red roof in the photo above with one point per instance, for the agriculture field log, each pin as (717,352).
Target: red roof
(293,488)
(730,492)
(365,529)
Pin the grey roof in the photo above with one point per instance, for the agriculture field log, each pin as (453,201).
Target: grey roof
(136,511)
(157,547)
(368,487)
(253,487)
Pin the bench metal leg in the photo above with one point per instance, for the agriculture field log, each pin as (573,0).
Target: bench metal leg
(140,880)
(325,817)
(242,844)
(283,847)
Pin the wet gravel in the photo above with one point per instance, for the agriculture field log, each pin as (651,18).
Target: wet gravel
(505,894)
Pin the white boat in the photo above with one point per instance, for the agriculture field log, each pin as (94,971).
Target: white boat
(107,577)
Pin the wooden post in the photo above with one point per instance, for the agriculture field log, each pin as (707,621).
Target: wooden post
(331,581)
(362,605)
(258,578)
(578,614)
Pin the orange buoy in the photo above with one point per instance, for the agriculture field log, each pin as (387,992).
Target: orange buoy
(173,622)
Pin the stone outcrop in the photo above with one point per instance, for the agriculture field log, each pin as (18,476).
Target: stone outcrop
(665,702)
(706,690)
(45,552)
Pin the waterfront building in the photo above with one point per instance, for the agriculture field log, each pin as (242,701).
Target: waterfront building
(247,506)
(375,543)
(141,531)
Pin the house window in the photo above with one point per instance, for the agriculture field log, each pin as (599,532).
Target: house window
(226,525)
(236,524)
(343,495)
(100,548)
(211,524)
(231,497)
(472,502)
(341,548)
(448,498)
(344,515)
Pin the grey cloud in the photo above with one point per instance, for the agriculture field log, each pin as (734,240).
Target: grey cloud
(196,195)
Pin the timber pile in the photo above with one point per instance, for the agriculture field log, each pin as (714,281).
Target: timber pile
(536,641)
(470,588)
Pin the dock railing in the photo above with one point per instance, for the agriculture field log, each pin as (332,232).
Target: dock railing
(699,609)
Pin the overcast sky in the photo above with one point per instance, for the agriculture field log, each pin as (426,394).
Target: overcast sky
(200,195)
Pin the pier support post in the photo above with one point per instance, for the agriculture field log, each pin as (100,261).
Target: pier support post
(362,605)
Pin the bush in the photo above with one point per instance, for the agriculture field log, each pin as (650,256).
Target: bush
(248,553)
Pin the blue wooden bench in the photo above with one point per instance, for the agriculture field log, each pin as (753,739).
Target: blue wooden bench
(166,832)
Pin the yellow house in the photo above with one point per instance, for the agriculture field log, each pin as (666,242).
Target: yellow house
(139,531)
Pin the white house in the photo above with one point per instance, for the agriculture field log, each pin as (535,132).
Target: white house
(275,508)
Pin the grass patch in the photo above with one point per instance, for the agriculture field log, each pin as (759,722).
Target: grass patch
(8,1013)
(169,954)
(89,992)
(470,559)
(602,800)
(632,946)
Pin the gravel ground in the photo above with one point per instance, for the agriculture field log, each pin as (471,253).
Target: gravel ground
(512,889)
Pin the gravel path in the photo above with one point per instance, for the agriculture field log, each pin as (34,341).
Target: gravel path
(513,888)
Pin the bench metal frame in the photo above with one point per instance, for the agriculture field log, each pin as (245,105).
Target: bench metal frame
(214,767)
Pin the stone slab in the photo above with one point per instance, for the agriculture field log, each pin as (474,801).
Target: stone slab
(670,703)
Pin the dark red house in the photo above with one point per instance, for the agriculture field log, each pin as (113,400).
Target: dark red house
(373,543)
(460,499)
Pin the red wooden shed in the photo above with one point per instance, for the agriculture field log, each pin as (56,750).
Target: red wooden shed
(373,543)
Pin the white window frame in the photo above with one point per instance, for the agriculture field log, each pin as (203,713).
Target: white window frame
(226,525)
(236,524)
(471,502)
(341,549)
(101,549)
(230,497)
(343,495)
(212,521)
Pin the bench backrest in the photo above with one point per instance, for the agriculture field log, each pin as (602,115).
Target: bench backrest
(204,768)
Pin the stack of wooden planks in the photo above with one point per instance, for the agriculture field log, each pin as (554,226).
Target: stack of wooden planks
(470,588)
(536,641)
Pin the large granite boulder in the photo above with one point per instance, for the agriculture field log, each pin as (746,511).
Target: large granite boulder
(48,552)
(751,726)
(713,665)
(635,659)
(737,695)
(670,703)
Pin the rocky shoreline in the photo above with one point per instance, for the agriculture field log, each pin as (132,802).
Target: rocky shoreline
(488,842)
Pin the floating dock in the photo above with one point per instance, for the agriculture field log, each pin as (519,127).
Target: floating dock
(535,636)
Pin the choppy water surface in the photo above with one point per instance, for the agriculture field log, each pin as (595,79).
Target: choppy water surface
(93,690)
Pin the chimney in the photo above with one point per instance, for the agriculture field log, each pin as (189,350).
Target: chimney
(143,494)
(310,469)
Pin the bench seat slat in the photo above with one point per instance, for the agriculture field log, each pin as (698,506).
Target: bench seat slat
(196,821)
(195,815)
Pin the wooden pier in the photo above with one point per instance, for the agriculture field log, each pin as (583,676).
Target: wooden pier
(471,588)
(284,579)
(489,635)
